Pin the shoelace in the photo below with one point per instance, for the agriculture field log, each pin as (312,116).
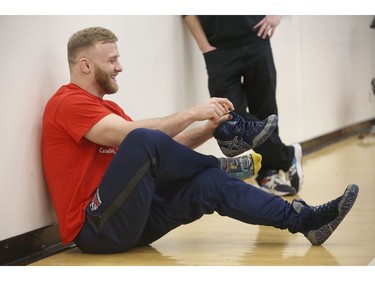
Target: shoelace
(241,123)
(331,206)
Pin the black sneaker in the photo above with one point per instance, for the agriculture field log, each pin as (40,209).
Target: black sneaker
(238,135)
(321,221)
(294,173)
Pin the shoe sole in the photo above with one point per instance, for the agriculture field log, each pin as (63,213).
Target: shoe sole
(319,236)
(233,147)
(298,154)
(237,146)
(270,126)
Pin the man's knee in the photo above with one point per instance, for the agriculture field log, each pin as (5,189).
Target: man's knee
(142,136)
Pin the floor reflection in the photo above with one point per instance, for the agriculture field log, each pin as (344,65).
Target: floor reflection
(288,250)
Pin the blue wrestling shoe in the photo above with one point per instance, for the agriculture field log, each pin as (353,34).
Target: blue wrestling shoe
(238,135)
(321,221)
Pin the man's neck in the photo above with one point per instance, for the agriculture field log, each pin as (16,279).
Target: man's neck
(88,87)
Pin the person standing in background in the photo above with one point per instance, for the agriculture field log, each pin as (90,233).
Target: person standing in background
(240,67)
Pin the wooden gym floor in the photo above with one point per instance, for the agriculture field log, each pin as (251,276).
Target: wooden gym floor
(221,241)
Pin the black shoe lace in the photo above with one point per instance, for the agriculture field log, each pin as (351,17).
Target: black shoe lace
(329,207)
(248,126)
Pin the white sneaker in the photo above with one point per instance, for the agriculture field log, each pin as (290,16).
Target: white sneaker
(274,183)
(294,174)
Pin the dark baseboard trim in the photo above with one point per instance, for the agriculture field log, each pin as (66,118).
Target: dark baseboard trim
(38,244)
(31,246)
(320,142)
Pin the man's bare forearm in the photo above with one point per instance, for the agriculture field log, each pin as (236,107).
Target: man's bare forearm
(194,137)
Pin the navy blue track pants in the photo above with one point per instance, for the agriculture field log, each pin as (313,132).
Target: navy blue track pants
(155,184)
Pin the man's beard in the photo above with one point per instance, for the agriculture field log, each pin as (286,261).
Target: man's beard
(104,81)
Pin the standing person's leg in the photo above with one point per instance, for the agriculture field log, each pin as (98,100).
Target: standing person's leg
(229,76)
(224,71)
(260,90)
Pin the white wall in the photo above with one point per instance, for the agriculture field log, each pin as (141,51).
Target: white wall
(324,64)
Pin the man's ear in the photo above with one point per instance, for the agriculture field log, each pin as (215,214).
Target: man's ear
(84,65)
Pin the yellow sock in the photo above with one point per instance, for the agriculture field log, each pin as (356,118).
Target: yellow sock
(257,161)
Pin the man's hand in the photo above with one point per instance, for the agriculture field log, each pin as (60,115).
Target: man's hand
(211,125)
(212,109)
(267,26)
(208,48)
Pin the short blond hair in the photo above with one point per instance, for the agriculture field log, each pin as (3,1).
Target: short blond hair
(86,38)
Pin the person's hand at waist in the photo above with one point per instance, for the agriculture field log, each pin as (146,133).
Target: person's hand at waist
(267,26)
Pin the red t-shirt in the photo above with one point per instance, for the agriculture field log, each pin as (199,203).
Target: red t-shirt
(73,165)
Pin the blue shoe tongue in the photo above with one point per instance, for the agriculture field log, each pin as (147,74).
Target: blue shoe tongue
(241,122)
